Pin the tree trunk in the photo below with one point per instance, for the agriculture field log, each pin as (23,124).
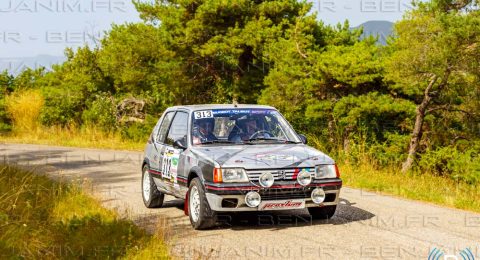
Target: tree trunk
(417,129)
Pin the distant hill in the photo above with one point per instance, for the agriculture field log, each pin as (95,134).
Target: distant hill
(382,29)
(15,65)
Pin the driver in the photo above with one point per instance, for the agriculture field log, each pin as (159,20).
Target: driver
(248,127)
(203,130)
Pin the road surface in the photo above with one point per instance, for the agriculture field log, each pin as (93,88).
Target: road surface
(366,225)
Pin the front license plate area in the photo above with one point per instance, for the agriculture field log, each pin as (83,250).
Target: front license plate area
(281,204)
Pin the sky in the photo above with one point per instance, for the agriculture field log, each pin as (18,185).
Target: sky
(29,28)
(360,11)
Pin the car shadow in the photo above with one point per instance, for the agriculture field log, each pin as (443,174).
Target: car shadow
(174,203)
(346,213)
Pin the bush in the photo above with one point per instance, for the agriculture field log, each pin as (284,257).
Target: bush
(101,113)
(139,132)
(24,109)
(5,88)
(5,123)
(62,107)
(392,152)
(452,162)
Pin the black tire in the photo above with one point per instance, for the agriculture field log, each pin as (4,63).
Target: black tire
(325,212)
(155,197)
(207,218)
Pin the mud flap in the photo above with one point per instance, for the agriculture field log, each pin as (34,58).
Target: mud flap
(185,206)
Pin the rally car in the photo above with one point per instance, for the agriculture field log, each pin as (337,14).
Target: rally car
(228,158)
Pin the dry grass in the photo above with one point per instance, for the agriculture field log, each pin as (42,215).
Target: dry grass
(40,218)
(24,108)
(424,187)
(88,137)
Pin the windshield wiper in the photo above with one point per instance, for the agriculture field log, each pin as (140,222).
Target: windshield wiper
(271,139)
(218,142)
(289,142)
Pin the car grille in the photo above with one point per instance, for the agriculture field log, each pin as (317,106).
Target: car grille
(279,174)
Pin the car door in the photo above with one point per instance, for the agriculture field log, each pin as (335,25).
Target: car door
(172,158)
(159,142)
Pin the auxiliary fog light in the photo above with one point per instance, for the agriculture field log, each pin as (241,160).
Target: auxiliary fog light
(253,199)
(318,195)
(266,180)
(304,178)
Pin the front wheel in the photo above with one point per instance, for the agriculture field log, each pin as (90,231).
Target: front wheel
(152,197)
(325,212)
(201,216)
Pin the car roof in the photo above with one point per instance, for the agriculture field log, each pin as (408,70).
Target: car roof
(219,106)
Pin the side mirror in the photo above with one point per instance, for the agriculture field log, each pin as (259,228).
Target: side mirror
(303,138)
(179,145)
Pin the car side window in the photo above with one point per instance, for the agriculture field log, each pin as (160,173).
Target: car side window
(178,129)
(162,132)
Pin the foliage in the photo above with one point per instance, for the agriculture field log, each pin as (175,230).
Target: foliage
(221,43)
(453,162)
(62,106)
(24,108)
(101,113)
(434,60)
(139,132)
(71,85)
(158,71)
(6,82)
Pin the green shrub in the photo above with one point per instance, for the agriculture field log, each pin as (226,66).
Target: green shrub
(5,123)
(101,112)
(138,131)
(62,106)
(391,152)
(452,162)
(6,82)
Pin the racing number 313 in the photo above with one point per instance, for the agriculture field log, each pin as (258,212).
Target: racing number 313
(203,114)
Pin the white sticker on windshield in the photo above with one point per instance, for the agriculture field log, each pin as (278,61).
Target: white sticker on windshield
(203,114)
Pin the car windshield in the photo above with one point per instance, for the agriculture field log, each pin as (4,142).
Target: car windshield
(241,126)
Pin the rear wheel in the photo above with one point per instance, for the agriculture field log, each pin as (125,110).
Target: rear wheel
(152,197)
(325,212)
(201,216)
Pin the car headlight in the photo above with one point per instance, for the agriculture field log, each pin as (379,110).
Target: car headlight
(234,175)
(325,171)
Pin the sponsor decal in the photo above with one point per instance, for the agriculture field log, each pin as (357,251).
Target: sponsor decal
(289,204)
(226,112)
(275,157)
(170,165)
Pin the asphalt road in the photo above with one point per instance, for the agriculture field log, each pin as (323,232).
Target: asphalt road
(366,225)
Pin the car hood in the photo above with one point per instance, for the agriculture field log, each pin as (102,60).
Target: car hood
(263,156)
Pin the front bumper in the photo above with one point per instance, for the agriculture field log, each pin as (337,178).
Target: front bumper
(231,198)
